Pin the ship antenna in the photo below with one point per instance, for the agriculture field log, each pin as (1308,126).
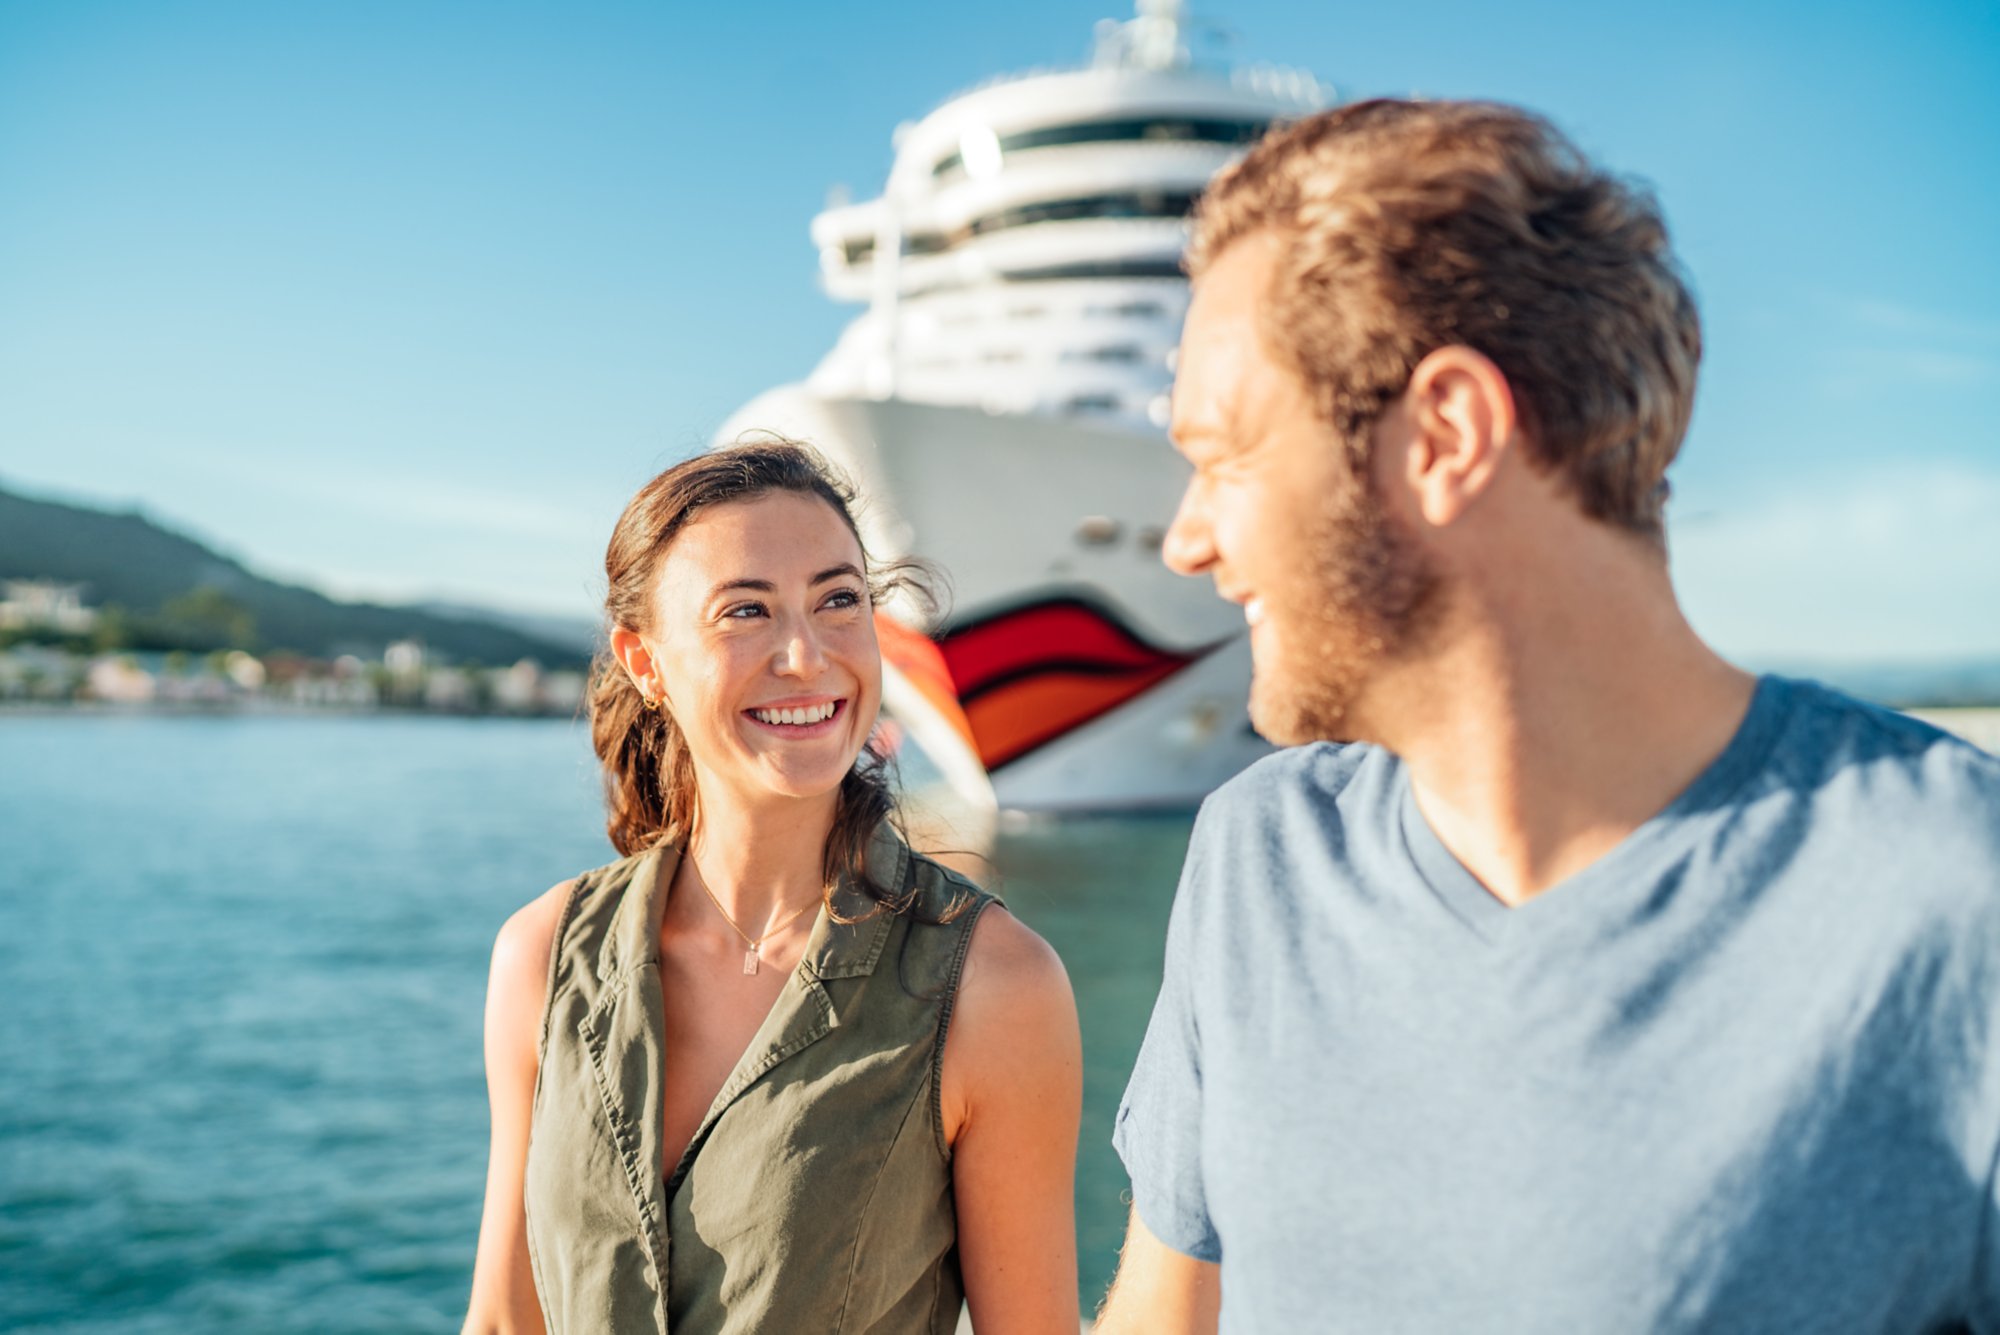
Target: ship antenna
(1150,40)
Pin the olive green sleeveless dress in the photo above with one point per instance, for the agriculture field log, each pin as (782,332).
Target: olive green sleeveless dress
(816,1194)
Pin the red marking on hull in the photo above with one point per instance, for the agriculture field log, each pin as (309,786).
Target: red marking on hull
(1032,674)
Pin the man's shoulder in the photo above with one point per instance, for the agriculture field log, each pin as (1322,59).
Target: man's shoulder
(1907,813)
(1318,774)
(1904,767)
(1301,805)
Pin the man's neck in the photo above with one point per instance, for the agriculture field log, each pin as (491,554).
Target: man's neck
(1558,714)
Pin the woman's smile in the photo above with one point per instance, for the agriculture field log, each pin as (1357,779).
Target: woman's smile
(763,647)
(794,719)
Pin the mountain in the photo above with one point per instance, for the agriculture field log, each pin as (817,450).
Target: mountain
(579,633)
(177,592)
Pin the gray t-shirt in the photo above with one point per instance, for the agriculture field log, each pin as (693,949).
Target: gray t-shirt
(1741,1074)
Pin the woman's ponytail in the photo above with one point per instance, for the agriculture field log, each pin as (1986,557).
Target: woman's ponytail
(640,749)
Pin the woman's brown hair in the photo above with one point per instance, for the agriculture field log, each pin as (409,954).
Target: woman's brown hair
(649,781)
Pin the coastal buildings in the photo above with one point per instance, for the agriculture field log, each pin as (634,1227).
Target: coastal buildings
(44,676)
(40,604)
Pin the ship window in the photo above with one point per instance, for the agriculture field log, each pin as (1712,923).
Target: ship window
(1124,353)
(1134,204)
(1108,269)
(1062,273)
(1130,204)
(916,243)
(1156,129)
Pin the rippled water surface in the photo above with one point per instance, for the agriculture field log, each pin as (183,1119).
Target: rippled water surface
(244,962)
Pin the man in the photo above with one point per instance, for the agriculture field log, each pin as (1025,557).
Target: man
(1602,987)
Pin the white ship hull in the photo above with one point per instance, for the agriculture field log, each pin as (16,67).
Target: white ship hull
(1093,677)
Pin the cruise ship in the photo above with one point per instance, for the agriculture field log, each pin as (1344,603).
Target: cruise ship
(1002,397)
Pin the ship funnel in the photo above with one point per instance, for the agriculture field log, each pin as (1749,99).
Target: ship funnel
(1150,40)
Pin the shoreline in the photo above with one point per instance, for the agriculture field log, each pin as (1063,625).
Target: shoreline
(1977,724)
(262,709)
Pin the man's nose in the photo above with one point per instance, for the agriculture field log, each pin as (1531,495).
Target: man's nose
(1189,547)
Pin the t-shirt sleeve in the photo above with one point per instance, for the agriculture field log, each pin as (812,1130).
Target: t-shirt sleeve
(1158,1133)
(1984,1317)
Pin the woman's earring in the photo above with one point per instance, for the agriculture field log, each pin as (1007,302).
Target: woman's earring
(650,703)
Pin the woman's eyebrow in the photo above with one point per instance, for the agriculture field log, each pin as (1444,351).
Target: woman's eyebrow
(759,585)
(843,570)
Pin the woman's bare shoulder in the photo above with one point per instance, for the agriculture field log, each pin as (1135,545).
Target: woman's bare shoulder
(1012,1048)
(1009,962)
(522,947)
(1013,996)
(1007,965)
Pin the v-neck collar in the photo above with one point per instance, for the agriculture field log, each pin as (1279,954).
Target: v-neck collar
(847,949)
(1608,885)
(625,1033)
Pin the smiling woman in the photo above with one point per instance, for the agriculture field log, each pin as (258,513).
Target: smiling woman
(772,1070)
(731,519)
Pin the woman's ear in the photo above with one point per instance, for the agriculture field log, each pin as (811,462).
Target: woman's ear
(637,660)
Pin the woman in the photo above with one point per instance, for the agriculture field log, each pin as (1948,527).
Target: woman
(772,1071)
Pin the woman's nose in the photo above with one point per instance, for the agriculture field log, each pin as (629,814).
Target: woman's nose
(801,655)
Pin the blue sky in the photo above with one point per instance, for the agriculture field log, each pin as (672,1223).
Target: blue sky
(406,298)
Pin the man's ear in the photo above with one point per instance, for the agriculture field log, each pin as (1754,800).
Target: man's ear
(1460,413)
(637,660)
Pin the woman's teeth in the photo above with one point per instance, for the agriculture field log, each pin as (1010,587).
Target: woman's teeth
(810,714)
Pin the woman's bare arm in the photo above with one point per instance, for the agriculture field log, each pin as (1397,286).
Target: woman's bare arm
(503,1286)
(1012,1098)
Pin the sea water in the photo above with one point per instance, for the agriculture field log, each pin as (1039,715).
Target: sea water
(243,961)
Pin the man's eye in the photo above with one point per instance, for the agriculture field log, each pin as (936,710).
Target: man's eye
(743,611)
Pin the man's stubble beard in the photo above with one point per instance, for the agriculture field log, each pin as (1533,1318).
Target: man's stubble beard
(1375,595)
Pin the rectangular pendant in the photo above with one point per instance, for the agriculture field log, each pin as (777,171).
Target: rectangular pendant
(750,960)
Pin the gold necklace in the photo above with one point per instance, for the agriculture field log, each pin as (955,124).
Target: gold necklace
(751,956)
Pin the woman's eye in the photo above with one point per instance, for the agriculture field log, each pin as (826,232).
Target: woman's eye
(743,611)
(844,598)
